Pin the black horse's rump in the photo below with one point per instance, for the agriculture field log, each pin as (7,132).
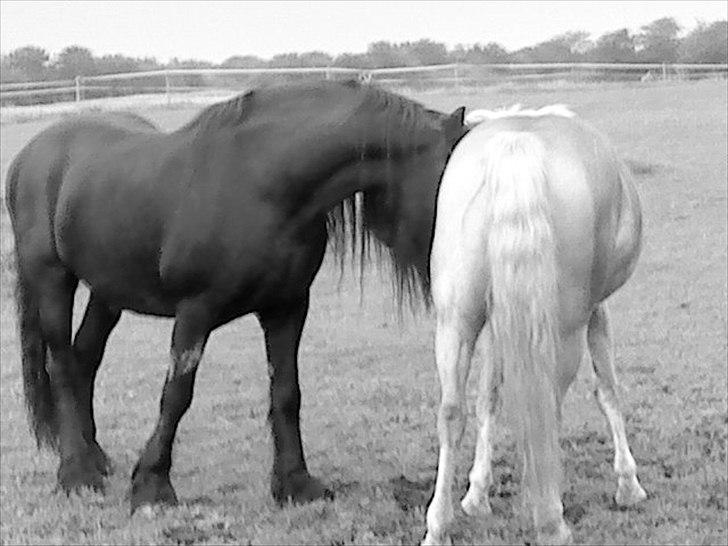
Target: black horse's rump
(34,348)
(226,216)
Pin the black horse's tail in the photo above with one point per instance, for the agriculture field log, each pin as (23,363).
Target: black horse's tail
(36,382)
(34,350)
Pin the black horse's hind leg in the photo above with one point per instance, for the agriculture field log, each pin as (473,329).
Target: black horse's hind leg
(89,344)
(290,479)
(150,479)
(77,469)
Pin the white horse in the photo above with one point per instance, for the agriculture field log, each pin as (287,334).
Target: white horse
(538,222)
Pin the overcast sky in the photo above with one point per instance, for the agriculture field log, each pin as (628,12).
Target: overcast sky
(214,31)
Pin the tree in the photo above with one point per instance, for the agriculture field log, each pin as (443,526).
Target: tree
(300,60)
(116,64)
(285,60)
(243,61)
(614,47)
(148,63)
(10,74)
(387,55)
(480,54)
(495,53)
(426,52)
(458,54)
(352,60)
(658,41)
(579,43)
(565,48)
(188,63)
(75,61)
(315,59)
(705,44)
(28,63)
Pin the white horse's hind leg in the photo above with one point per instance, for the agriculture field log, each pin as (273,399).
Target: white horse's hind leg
(454,342)
(571,354)
(629,490)
(475,502)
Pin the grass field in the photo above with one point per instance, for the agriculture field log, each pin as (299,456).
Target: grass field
(370,390)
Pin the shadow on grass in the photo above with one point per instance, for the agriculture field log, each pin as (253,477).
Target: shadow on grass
(409,494)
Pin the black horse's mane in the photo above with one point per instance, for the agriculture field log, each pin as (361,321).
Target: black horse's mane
(235,110)
(408,113)
(356,225)
(228,113)
(353,236)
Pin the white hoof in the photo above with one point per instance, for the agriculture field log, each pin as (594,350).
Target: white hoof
(629,492)
(474,507)
(431,540)
(561,534)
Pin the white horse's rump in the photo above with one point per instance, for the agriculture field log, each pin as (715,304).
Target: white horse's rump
(524,245)
(478,116)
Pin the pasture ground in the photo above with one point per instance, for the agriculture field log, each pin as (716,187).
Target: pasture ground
(370,391)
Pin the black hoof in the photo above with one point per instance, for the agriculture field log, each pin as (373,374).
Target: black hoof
(151,489)
(299,488)
(77,474)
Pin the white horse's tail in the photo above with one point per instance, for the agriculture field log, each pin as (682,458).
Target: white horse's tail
(523,320)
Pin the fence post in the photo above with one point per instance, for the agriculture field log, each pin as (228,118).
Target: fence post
(78,88)
(664,71)
(328,73)
(457,78)
(166,88)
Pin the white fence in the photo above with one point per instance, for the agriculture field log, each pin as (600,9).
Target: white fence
(177,83)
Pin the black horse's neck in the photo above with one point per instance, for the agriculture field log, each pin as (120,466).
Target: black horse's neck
(399,157)
(329,141)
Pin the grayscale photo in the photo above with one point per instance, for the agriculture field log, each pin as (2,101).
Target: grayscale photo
(363,272)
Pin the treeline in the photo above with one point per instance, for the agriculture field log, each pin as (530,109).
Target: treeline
(657,42)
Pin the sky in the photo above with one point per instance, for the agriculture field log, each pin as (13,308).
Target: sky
(214,31)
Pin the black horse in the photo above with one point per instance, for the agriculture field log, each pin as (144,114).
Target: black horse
(228,215)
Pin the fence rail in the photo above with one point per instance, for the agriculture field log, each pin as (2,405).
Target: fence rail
(34,85)
(180,81)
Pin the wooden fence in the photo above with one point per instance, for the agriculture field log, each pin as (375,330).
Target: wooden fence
(176,82)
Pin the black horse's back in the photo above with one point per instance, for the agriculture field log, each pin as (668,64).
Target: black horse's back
(226,216)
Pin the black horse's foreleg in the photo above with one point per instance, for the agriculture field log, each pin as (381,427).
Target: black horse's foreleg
(290,479)
(150,479)
(88,346)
